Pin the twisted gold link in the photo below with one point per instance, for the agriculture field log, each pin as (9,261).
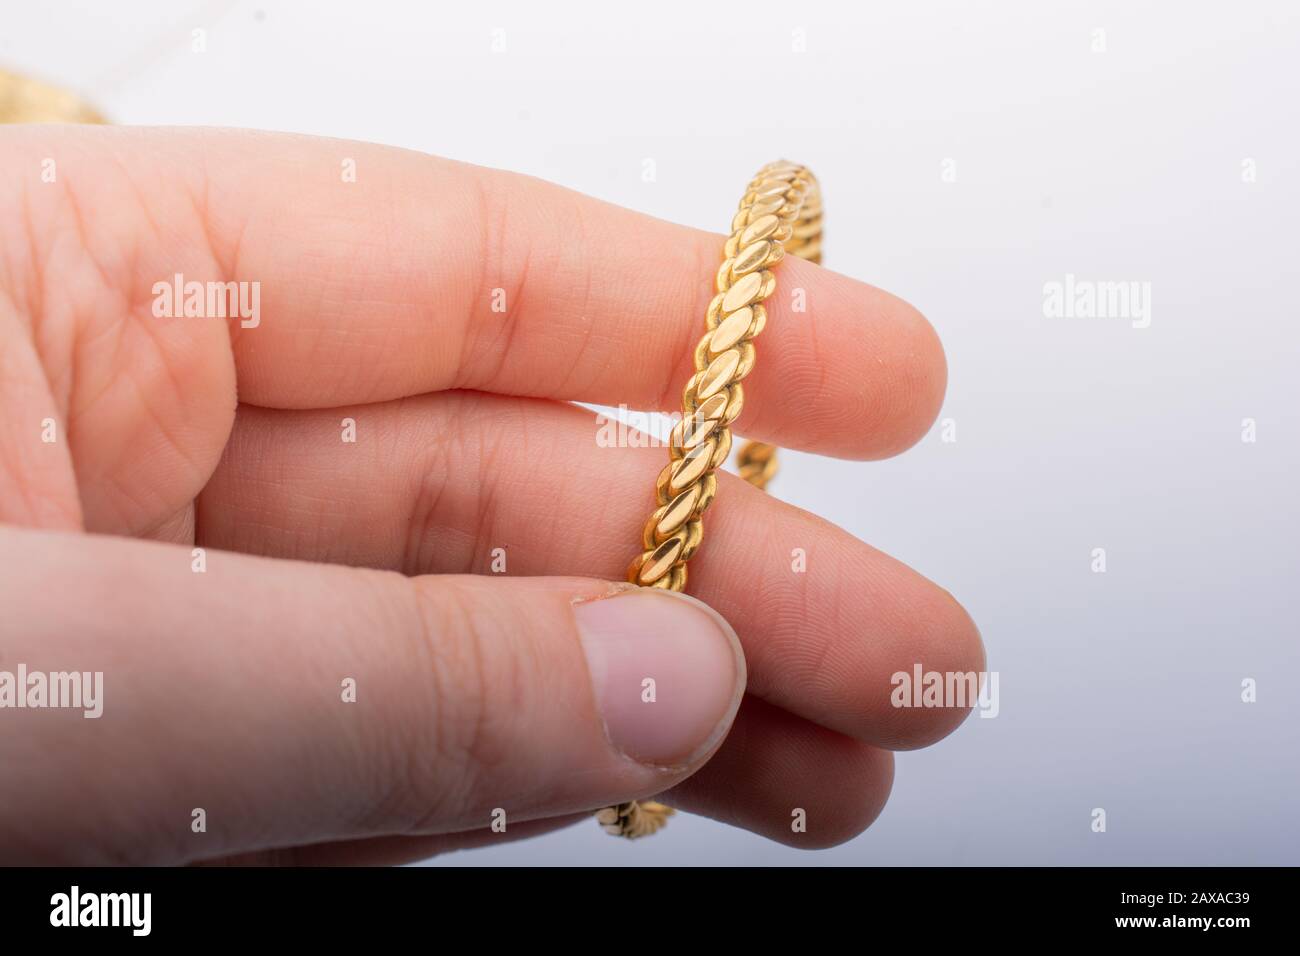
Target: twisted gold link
(756,463)
(781,213)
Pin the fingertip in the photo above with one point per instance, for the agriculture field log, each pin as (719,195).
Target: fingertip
(921,367)
(790,780)
(944,650)
(905,371)
(851,811)
(845,369)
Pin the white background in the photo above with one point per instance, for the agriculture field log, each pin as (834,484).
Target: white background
(1118,690)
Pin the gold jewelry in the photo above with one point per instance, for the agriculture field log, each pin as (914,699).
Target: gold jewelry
(24,100)
(780,213)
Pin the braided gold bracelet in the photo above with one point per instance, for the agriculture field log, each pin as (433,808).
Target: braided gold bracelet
(780,213)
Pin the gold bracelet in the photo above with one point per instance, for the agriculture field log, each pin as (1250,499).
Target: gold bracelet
(780,213)
(24,100)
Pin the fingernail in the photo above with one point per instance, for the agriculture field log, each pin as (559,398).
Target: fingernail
(667,671)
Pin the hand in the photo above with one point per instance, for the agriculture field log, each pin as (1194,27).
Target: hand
(331,568)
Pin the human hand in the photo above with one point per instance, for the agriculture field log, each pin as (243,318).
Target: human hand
(128,440)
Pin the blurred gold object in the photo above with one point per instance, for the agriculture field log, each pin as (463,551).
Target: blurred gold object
(634,819)
(24,100)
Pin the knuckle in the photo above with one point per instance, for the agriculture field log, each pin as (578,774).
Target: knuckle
(451,522)
(460,732)
(493,317)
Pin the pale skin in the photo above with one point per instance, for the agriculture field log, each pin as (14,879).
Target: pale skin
(372,561)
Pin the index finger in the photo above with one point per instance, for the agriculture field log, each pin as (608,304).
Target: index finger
(385,273)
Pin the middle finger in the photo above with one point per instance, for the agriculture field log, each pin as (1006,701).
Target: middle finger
(467,482)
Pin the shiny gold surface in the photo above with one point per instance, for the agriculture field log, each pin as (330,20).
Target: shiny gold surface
(781,212)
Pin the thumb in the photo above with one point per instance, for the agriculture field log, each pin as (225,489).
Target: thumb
(297,703)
